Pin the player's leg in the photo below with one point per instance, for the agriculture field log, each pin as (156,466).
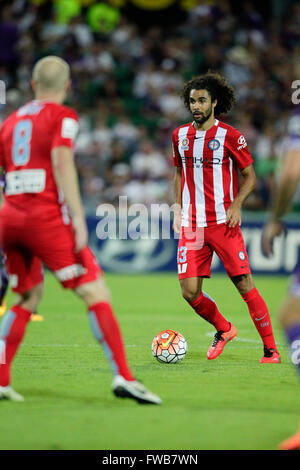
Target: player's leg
(230,247)
(106,331)
(194,262)
(4,282)
(289,316)
(207,308)
(12,331)
(260,316)
(202,303)
(3,289)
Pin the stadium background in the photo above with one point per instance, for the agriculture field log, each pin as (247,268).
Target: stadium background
(129,59)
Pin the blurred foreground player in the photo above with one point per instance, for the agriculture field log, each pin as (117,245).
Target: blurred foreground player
(3,274)
(42,221)
(4,282)
(290,311)
(208,154)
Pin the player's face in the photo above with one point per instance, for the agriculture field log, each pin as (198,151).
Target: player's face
(201,106)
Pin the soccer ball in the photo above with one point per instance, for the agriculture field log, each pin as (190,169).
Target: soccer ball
(169,346)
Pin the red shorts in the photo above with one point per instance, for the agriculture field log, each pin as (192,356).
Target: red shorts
(27,246)
(196,248)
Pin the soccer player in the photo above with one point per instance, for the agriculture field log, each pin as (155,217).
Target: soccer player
(3,274)
(42,221)
(289,179)
(207,155)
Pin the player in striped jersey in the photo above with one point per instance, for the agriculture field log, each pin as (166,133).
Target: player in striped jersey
(207,155)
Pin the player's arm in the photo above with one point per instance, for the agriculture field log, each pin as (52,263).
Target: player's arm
(66,178)
(178,199)
(233,215)
(287,185)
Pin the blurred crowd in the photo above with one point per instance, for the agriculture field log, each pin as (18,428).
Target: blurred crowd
(127,83)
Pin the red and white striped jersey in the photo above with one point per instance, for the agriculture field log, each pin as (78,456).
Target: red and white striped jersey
(209,160)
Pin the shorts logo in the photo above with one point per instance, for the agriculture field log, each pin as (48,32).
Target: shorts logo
(213,144)
(70,272)
(182,268)
(184,144)
(242,255)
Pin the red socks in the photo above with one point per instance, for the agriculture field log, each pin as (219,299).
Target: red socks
(13,327)
(260,316)
(106,330)
(206,307)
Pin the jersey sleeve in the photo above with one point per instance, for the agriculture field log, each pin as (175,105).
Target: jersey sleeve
(238,148)
(66,129)
(176,155)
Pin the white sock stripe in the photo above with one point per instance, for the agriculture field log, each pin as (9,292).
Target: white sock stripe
(6,323)
(97,332)
(208,297)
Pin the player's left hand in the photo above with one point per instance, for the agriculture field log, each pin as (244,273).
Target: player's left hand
(271,230)
(81,233)
(233,215)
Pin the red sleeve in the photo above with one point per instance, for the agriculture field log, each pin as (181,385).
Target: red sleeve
(176,155)
(238,149)
(66,129)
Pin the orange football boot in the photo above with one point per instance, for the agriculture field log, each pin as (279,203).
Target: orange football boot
(219,342)
(291,443)
(271,356)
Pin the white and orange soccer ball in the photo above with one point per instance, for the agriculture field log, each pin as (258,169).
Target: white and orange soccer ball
(169,346)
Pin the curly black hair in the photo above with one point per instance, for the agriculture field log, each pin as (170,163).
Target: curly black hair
(216,85)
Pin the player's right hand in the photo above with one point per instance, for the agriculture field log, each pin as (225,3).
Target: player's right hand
(81,233)
(177,224)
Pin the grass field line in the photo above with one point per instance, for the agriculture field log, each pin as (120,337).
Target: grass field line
(53,345)
(64,345)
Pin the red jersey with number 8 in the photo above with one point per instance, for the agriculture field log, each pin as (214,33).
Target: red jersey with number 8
(27,138)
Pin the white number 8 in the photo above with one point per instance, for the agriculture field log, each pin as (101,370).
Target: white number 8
(21,142)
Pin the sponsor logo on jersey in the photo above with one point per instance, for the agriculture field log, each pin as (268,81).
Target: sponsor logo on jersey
(200,162)
(184,144)
(242,142)
(69,128)
(213,144)
(242,255)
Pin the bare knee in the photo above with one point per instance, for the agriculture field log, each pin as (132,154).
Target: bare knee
(190,290)
(94,292)
(244,283)
(31,299)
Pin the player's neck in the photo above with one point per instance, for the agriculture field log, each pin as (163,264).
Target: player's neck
(206,125)
(57,98)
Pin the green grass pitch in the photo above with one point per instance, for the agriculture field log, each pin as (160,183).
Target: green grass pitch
(232,402)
